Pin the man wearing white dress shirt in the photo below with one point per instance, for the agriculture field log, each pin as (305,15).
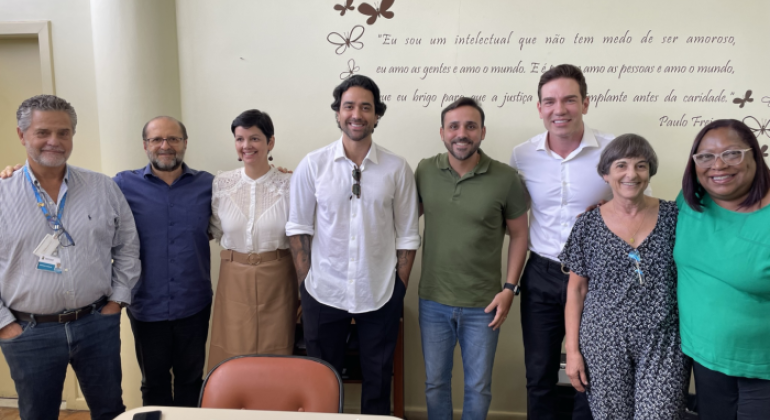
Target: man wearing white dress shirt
(559,171)
(354,204)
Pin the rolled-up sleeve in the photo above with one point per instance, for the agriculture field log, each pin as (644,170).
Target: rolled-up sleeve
(302,201)
(126,267)
(405,210)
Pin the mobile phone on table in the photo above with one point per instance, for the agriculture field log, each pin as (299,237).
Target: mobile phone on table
(147,415)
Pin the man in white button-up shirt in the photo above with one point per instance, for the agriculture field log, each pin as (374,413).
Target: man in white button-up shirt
(559,171)
(354,204)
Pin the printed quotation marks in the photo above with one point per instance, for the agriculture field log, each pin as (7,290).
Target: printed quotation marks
(378,10)
(349,39)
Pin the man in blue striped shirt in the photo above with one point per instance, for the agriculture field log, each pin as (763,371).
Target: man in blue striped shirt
(69,257)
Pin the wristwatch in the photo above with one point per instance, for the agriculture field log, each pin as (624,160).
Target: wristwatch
(513,287)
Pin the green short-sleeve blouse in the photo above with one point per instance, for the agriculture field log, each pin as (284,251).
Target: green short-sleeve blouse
(723,260)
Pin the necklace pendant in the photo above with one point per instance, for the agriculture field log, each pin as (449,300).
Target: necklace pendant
(632,240)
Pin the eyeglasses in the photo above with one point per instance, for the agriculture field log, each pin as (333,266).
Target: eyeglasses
(65,240)
(729,157)
(357,184)
(634,255)
(157,141)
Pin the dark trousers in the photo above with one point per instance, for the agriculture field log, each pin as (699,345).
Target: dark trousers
(543,296)
(38,359)
(723,397)
(326,329)
(178,345)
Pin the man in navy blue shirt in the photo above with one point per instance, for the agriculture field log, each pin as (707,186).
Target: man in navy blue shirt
(171,304)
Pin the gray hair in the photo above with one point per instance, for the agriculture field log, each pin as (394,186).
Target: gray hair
(43,103)
(627,146)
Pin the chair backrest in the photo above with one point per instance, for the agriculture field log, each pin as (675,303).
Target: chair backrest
(275,383)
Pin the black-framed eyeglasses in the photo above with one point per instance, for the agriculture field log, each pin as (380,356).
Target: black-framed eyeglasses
(65,240)
(356,183)
(729,157)
(157,141)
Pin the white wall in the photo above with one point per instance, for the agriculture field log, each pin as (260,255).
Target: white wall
(275,56)
(73,64)
(20,70)
(239,54)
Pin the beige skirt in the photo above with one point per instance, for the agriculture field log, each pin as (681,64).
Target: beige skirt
(255,308)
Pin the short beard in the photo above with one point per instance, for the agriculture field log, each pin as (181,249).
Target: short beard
(37,156)
(470,153)
(174,165)
(365,135)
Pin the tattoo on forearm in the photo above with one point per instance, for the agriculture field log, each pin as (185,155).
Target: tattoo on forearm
(404,262)
(401,258)
(300,251)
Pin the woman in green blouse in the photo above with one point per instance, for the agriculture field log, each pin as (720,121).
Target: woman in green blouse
(722,253)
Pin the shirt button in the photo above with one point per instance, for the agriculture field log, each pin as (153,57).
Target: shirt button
(171,205)
(354,215)
(350,281)
(352,238)
(352,259)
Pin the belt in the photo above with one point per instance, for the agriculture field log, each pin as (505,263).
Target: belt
(548,263)
(253,258)
(61,318)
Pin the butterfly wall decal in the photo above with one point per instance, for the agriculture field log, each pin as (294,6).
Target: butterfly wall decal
(352,69)
(377,10)
(746,98)
(344,8)
(763,149)
(349,39)
(761,128)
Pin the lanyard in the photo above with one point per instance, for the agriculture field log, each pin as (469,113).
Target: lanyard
(40,203)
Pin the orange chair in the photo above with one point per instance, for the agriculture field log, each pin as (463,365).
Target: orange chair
(274,383)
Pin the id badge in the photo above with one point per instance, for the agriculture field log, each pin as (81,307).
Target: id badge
(47,246)
(50,264)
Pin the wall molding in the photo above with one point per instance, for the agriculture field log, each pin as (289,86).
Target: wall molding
(41,30)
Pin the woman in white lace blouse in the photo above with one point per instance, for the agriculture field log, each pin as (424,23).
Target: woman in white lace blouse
(256,302)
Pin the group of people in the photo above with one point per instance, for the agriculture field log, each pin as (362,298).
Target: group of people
(641,287)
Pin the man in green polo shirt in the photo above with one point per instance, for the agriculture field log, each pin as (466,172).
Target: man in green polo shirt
(468,200)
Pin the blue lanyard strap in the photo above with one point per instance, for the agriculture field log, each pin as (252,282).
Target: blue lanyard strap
(40,203)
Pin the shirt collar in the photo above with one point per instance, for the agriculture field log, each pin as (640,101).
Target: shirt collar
(186,170)
(34,180)
(480,168)
(588,141)
(339,152)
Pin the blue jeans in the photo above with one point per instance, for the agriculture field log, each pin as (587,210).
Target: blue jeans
(441,326)
(38,359)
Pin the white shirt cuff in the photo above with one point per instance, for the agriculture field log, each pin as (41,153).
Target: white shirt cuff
(294,229)
(408,242)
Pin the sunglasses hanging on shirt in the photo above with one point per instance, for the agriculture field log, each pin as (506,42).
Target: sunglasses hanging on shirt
(356,183)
